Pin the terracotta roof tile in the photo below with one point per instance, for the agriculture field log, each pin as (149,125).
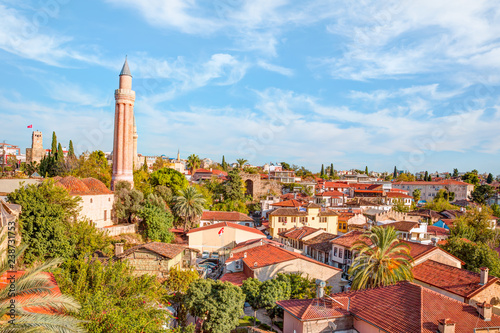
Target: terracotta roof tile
(347,240)
(322,242)
(455,280)
(225,216)
(86,186)
(288,203)
(287,212)
(298,233)
(437,231)
(227,225)
(235,278)
(267,254)
(405,226)
(401,308)
(330,194)
(398,195)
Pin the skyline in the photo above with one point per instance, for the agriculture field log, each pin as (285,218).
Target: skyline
(308,84)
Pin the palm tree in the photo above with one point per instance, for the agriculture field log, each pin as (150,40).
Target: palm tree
(188,205)
(241,162)
(33,290)
(382,260)
(193,162)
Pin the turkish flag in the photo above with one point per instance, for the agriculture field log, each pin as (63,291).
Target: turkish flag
(221,231)
(30,126)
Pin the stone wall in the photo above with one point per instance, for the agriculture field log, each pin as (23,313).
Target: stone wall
(119,229)
(257,187)
(147,262)
(491,295)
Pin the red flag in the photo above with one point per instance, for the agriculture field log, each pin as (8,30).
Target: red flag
(221,231)
(30,126)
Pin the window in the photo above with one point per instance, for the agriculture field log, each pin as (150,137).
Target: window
(105,215)
(313,218)
(340,253)
(303,219)
(334,251)
(91,200)
(282,219)
(294,219)
(109,199)
(323,219)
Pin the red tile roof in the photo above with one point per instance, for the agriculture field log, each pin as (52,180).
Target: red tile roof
(441,182)
(227,225)
(404,226)
(401,308)
(267,254)
(431,229)
(86,186)
(288,203)
(330,194)
(418,250)
(225,216)
(398,195)
(455,280)
(347,240)
(288,212)
(298,233)
(235,278)
(336,184)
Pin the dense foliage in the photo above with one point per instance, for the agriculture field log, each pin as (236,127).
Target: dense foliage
(220,304)
(475,255)
(170,178)
(112,299)
(157,223)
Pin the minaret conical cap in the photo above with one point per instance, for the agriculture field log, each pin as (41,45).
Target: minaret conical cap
(125,69)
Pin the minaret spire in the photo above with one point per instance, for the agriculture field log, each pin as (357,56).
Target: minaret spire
(178,155)
(124,138)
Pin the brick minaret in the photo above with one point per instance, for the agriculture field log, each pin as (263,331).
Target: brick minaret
(123,145)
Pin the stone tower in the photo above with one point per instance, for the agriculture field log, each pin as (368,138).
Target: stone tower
(123,145)
(36,152)
(136,158)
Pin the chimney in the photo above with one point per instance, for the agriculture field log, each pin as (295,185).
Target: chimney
(118,248)
(484,276)
(446,326)
(485,310)
(244,255)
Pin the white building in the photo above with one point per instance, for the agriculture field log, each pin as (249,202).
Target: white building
(429,190)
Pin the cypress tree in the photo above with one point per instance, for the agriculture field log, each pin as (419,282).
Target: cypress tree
(426,176)
(71,150)
(395,174)
(59,154)
(223,162)
(322,170)
(53,149)
(366,170)
(489,180)
(145,165)
(331,170)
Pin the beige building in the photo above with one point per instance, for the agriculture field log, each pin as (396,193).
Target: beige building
(155,258)
(221,236)
(429,190)
(97,200)
(312,215)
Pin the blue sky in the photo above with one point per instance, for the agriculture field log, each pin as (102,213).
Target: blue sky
(377,83)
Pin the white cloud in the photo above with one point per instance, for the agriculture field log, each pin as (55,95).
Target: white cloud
(275,68)
(387,40)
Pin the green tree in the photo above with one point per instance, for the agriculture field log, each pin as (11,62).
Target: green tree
(34,289)
(159,163)
(471,177)
(455,173)
(177,284)
(400,206)
(496,210)
(142,181)
(444,194)
(157,223)
(332,171)
(300,287)
(71,150)
(475,255)
(224,164)
(241,162)
(426,176)
(251,289)
(207,195)
(145,167)
(366,170)
(272,291)
(189,205)
(490,179)
(285,166)
(439,205)
(113,300)
(60,154)
(416,195)
(220,304)
(233,188)
(322,173)
(45,220)
(128,202)
(475,225)
(94,165)
(482,193)
(193,162)
(395,173)
(385,262)
(53,149)
(170,178)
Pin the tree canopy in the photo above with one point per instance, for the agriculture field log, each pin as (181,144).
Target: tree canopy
(170,178)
